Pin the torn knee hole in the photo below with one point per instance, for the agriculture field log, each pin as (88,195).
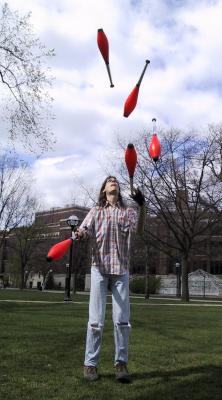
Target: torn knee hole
(96,327)
(123,324)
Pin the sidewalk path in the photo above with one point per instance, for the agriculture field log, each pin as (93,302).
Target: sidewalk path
(206,304)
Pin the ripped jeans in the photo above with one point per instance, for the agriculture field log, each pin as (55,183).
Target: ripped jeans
(120,310)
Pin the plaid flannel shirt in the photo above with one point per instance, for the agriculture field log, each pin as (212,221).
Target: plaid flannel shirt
(110,229)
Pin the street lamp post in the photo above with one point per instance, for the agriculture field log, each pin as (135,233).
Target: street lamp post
(204,282)
(178,269)
(46,279)
(73,222)
(26,278)
(204,286)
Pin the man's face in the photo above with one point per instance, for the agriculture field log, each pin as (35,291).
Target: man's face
(112,186)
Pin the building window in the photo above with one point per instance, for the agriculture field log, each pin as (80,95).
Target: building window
(216,267)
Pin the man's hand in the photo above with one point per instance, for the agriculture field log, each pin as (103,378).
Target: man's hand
(81,233)
(138,197)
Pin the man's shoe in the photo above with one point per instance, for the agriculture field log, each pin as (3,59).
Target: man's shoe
(90,373)
(122,374)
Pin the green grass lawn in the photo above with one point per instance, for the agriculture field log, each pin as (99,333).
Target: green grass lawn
(175,350)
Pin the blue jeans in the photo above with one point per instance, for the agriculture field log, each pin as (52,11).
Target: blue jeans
(121,313)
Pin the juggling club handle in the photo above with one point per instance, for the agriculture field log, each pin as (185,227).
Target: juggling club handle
(131,185)
(109,73)
(77,238)
(142,75)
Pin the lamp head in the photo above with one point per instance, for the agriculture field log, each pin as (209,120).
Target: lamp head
(73,221)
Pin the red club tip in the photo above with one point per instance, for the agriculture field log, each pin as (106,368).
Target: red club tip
(58,250)
(155,148)
(130,159)
(103,45)
(130,102)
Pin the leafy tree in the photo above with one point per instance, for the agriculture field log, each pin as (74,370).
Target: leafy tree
(25,79)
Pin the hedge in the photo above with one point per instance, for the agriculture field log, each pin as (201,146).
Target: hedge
(137,284)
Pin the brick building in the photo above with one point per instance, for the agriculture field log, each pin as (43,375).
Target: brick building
(54,228)
(207,255)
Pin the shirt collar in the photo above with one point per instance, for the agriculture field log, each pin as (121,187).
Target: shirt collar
(111,205)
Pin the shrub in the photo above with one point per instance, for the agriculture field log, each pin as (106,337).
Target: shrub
(80,283)
(49,284)
(137,284)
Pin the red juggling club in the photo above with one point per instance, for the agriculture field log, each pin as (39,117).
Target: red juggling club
(131,100)
(103,45)
(131,160)
(58,250)
(155,148)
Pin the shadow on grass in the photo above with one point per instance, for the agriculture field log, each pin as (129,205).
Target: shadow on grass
(203,382)
(195,383)
(111,377)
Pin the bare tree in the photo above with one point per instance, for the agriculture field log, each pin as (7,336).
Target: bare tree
(26,80)
(22,242)
(184,196)
(14,194)
(215,132)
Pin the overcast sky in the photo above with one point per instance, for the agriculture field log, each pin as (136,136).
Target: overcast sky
(182,87)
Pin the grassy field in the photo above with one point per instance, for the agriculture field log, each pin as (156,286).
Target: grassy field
(175,350)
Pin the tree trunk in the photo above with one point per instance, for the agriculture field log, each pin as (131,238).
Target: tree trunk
(75,256)
(185,287)
(147,292)
(22,285)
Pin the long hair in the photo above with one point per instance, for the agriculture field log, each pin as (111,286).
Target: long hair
(102,195)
